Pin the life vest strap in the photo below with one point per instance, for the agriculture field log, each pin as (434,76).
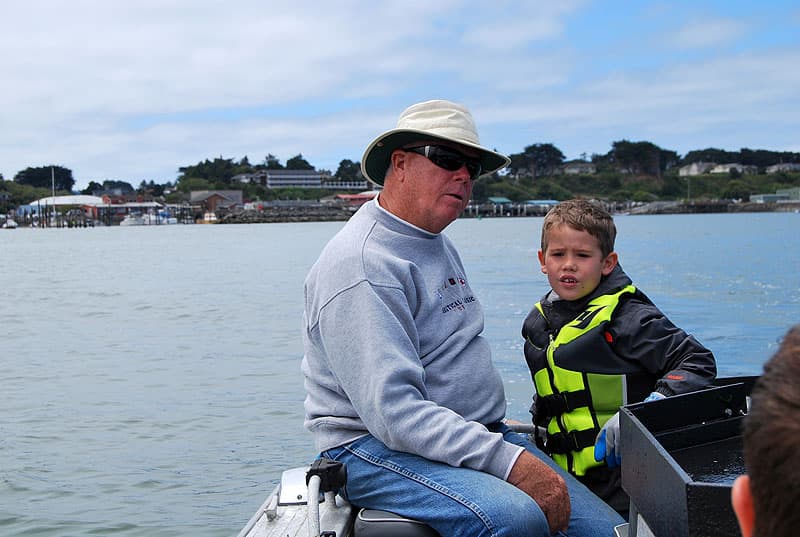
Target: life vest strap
(562,402)
(572,441)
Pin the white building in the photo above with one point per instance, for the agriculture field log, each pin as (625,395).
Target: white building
(695,168)
(309,179)
(727,168)
(578,167)
(787,167)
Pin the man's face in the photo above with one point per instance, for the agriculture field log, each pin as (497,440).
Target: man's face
(430,196)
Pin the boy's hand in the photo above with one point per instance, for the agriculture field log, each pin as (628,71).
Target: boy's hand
(654,396)
(545,486)
(607,443)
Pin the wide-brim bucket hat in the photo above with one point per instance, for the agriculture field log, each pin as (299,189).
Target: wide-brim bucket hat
(436,120)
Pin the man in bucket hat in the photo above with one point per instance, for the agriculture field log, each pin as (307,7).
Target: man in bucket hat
(400,385)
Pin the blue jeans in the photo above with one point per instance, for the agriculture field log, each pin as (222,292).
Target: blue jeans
(460,502)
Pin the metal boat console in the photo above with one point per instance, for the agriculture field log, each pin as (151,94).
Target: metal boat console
(681,456)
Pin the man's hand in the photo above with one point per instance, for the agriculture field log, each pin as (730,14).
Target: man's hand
(545,486)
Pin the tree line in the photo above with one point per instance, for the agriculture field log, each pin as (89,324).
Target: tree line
(630,170)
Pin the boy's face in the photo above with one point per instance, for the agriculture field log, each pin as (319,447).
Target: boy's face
(574,263)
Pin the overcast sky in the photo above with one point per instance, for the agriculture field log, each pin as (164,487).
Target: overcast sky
(133,90)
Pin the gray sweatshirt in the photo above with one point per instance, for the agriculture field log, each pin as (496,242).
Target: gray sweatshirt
(391,334)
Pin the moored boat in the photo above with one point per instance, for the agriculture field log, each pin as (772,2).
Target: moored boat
(209,217)
(159,219)
(148,219)
(132,219)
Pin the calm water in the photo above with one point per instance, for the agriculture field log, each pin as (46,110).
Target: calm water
(150,375)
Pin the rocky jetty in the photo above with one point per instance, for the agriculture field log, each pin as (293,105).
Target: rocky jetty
(711,206)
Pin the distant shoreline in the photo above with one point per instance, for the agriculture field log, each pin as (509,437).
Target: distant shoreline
(713,206)
(339,214)
(288,214)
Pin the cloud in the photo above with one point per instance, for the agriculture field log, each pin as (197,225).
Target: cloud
(134,90)
(161,76)
(734,101)
(709,32)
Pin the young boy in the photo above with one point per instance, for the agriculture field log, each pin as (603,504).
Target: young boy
(595,342)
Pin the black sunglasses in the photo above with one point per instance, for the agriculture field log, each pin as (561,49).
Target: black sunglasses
(448,159)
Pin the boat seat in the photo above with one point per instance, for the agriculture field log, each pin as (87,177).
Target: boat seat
(375,523)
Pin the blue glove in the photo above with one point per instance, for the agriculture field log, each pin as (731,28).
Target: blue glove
(654,396)
(607,444)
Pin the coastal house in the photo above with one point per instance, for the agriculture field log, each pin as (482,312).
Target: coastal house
(578,167)
(783,167)
(298,179)
(294,178)
(213,200)
(695,168)
(309,179)
(729,167)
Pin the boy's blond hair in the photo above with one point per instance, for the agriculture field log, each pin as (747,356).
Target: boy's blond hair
(583,215)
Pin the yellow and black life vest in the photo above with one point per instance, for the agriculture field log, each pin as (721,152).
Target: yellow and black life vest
(580,383)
